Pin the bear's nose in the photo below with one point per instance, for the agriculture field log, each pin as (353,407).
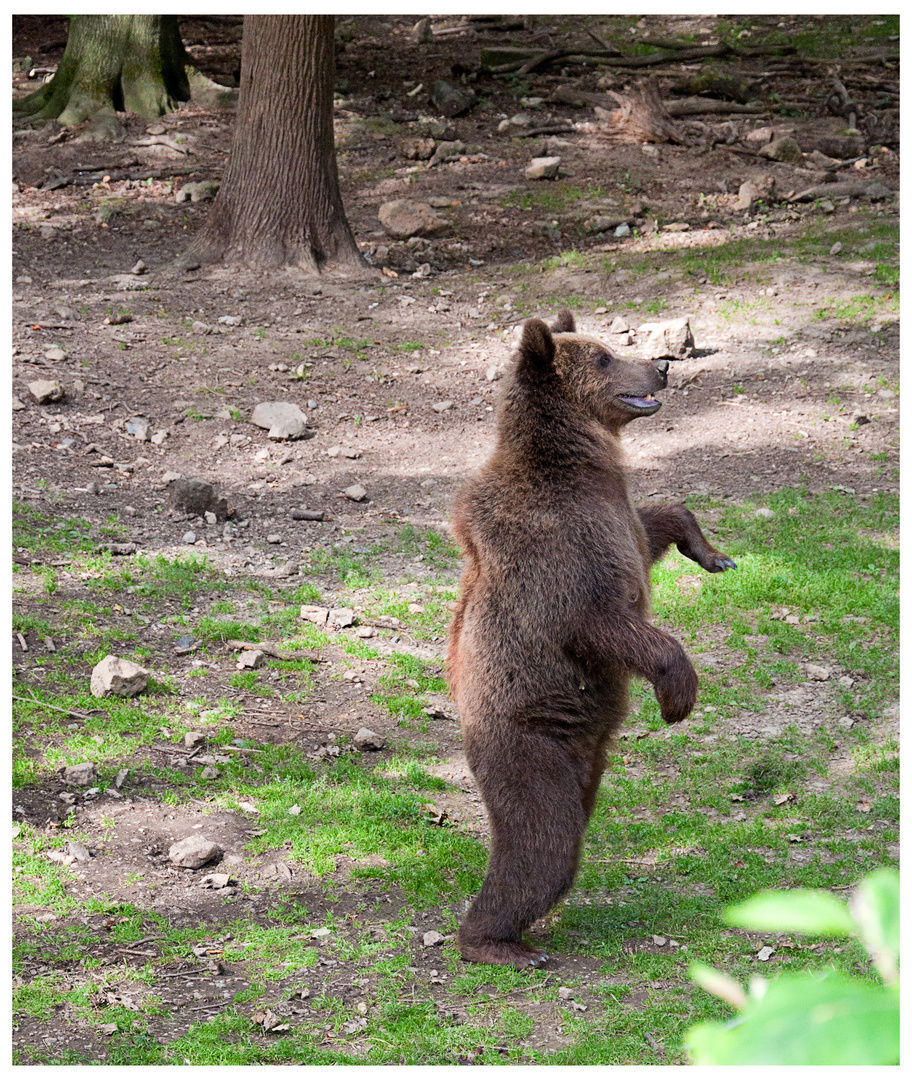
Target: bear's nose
(662,369)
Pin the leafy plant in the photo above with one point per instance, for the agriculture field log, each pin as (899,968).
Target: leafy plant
(811,1019)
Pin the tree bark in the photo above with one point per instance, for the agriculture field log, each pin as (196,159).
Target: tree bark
(132,63)
(279,203)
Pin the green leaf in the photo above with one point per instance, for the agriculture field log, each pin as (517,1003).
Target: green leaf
(806,1020)
(875,907)
(800,911)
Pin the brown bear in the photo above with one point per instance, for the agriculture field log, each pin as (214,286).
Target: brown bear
(552,618)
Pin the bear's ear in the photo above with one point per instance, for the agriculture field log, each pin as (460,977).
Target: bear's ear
(564,323)
(536,347)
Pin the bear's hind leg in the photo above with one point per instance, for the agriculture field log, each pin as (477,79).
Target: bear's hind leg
(536,788)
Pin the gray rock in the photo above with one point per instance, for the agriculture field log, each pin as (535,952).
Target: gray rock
(251,658)
(283,419)
(141,430)
(493,373)
(121,777)
(83,774)
(764,512)
(199,191)
(116,677)
(273,538)
(340,617)
(356,493)
(542,168)
(315,614)
(450,100)
(443,406)
(421,32)
(403,219)
(754,189)
(139,268)
(817,673)
(446,150)
(18,405)
(193,851)
(786,150)
(619,326)
(210,773)
(369,740)
(622,230)
(194,496)
(836,248)
(79,851)
(672,338)
(600,223)
(308,515)
(432,938)
(55,354)
(515,123)
(189,537)
(192,739)
(46,390)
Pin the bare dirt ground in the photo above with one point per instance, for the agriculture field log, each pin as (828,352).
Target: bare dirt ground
(397,372)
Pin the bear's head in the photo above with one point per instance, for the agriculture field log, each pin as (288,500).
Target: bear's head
(586,373)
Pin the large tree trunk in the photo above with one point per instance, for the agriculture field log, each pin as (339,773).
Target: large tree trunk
(279,203)
(132,63)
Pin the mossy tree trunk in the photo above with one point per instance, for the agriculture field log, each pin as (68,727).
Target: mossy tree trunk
(279,203)
(129,63)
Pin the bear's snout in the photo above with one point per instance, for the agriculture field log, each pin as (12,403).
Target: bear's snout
(662,369)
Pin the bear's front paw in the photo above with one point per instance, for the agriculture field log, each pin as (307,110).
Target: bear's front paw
(677,693)
(715,562)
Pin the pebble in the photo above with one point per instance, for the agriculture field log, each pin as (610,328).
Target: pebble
(117,677)
(273,538)
(356,493)
(189,537)
(46,390)
(193,852)
(443,406)
(82,774)
(369,740)
(210,773)
(493,373)
(432,938)
(542,168)
(55,354)
(251,658)
(622,230)
(764,512)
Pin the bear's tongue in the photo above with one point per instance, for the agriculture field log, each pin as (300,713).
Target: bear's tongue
(638,402)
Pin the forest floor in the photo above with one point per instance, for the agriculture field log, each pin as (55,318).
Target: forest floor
(322,932)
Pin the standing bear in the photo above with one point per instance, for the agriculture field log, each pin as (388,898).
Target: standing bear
(553,618)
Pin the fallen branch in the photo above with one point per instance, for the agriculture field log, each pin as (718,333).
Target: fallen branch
(872,189)
(547,129)
(692,106)
(271,649)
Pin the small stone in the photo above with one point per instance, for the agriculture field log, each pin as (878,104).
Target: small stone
(443,406)
(341,617)
(364,631)
(817,673)
(308,515)
(231,320)
(403,219)
(121,777)
(201,328)
(836,248)
(317,615)
(46,390)
(193,852)
(450,100)
(619,326)
(786,150)
(672,338)
(17,405)
(356,493)
(210,773)
(827,206)
(170,478)
(194,496)
(189,537)
(79,852)
(542,168)
(565,993)
(493,373)
(273,538)
(116,677)
(369,740)
(443,151)
(251,658)
(622,230)
(211,519)
(55,354)
(432,938)
(83,774)
(764,512)
(192,739)
(199,191)
(139,268)
(283,419)
(320,933)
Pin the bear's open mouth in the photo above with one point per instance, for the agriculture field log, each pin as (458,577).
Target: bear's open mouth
(644,405)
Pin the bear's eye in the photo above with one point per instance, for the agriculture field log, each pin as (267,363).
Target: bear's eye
(604,360)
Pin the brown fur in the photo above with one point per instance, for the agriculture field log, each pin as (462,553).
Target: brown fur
(552,619)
